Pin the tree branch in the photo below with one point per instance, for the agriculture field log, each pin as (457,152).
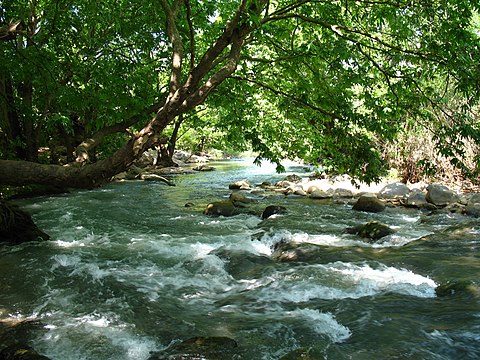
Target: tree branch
(289,96)
(176,40)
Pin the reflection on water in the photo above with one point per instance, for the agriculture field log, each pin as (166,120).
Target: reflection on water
(129,269)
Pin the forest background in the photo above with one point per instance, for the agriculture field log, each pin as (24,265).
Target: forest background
(357,87)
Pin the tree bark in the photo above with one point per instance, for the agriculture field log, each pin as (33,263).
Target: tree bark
(202,80)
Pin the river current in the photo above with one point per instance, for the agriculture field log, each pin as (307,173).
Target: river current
(130,270)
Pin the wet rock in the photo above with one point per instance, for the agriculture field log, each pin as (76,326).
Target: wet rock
(242,264)
(300,354)
(240,185)
(20,352)
(17,226)
(189,205)
(394,191)
(272,210)
(220,208)
(369,203)
(199,348)
(238,199)
(458,288)
(372,230)
(289,251)
(473,206)
(155,177)
(204,167)
(440,195)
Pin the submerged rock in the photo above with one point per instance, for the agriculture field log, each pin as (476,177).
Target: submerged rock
(199,348)
(300,354)
(272,210)
(372,230)
(458,288)
(242,264)
(369,203)
(17,226)
(20,352)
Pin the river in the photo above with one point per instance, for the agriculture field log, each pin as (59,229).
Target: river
(130,270)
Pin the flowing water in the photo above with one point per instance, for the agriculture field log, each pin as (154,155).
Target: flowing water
(130,270)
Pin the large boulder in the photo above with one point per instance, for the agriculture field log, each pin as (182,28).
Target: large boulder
(17,226)
(372,230)
(220,208)
(369,203)
(440,195)
(395,191)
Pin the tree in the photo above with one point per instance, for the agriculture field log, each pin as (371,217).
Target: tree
(309,78)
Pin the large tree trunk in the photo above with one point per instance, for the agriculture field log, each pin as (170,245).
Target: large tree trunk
(212,69)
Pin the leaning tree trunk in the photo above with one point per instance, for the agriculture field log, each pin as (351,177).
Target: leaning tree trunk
(213,68)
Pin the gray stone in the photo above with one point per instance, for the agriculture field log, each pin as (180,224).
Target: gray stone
(473,205)
(320,194)
(343,193)
(369,203)
(417,198)
(440,195)
(394,191)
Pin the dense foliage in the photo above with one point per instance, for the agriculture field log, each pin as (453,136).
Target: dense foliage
(332,82)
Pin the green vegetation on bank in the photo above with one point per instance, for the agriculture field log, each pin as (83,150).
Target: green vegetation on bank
(354,86)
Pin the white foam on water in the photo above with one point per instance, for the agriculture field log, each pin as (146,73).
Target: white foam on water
(394,240)
(323,323)
(339,281)
(387,278)
(92,336)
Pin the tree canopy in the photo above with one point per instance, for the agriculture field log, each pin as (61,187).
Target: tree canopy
(329,82)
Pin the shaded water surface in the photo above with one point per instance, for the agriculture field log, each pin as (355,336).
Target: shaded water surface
(130,270)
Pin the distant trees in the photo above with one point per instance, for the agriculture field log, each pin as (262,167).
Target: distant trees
(331,82)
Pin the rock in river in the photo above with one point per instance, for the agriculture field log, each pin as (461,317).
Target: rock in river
(372,230)
(200,347)
(16,225)
(440,195)
(369,203)
(272,210)
(220,208)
